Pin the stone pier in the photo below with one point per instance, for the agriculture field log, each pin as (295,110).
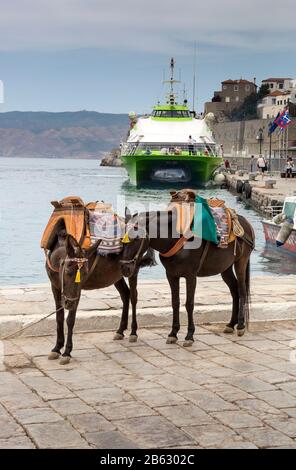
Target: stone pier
(223,392)
(261,197)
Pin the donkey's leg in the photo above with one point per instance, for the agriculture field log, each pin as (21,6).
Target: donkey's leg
(241,267)
(175,296)
(66,357)
(231,281)
(134,299)
(124,292)
(190,291)
(56,351)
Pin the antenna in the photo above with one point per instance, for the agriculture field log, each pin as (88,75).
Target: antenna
(184,91)
(194,81)
(172,95)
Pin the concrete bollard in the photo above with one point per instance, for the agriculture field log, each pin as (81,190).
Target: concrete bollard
(269,184)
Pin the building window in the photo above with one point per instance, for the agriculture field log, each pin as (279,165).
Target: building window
(224,87)
(285,101)
(247,87)
(237,98)
(227,99)
(235,87)
(273,101)
(281,86)
(270,85)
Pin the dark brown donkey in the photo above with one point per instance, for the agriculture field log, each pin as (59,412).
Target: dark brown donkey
(205,260)
(96,272)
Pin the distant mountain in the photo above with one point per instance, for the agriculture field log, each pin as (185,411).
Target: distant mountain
(81,134)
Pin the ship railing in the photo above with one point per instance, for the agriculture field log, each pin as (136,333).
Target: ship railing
(272,211)
(134,148)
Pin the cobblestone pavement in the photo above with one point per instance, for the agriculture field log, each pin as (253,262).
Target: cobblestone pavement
(223,392)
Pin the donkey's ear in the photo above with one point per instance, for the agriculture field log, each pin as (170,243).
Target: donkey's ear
(127,214)
(73,248)
(92,249)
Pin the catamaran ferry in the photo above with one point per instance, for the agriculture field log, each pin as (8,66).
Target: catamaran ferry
(171,144)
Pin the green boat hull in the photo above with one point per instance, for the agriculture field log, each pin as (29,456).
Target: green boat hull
(197,170)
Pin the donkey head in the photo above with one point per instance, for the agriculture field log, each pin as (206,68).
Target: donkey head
(135,244)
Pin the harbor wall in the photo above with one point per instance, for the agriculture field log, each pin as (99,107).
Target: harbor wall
(239,138)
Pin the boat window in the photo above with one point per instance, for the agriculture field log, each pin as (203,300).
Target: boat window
(171,113)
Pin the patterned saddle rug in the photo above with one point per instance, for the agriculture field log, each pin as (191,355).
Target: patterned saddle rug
(86,223)
(216,216)
(108,227)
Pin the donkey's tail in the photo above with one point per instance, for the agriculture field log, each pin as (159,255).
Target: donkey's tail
(148,259)
(248,295)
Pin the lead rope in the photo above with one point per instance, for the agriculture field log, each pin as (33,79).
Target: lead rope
(17,332)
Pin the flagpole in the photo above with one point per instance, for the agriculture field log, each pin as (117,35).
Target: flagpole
(287,146)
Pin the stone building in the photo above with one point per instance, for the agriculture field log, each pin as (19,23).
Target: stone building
(279,84)
(232,95)
(273,103)
(282,91)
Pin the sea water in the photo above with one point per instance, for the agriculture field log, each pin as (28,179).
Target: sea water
(28,185)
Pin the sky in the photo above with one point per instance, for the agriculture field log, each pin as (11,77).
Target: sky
(110,55)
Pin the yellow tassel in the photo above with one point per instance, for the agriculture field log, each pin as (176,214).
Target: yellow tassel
(77,278)
(125,238)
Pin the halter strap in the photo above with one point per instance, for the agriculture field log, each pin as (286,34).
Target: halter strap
(135,258)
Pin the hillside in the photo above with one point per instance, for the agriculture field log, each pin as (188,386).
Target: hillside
(81,134)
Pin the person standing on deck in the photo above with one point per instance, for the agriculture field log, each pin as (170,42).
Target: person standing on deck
(191,143)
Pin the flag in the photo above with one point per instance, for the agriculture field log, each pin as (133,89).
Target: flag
(283,120)
(274,124)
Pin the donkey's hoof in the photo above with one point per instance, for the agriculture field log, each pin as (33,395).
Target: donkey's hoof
(171,340)
(187,343)
(53,355)
(241,332)
(228,329)
(65,360)
(133,338)
(118,336)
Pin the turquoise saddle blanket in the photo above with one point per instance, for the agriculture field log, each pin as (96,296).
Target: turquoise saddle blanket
(204,225)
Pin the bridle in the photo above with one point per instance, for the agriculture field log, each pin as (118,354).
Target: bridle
(137,255)
(80,263)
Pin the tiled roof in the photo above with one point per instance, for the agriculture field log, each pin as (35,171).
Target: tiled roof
(237,82)
(279,93)
(276,79)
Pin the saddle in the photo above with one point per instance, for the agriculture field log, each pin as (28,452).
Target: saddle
(183,202)
(71,214)
(86,223)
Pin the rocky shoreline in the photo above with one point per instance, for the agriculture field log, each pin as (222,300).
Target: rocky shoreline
(112,158)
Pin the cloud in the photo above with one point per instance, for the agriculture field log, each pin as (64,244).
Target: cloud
(149,26)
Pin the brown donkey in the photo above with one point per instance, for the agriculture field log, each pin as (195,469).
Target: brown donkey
(70,269)
(204,260)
